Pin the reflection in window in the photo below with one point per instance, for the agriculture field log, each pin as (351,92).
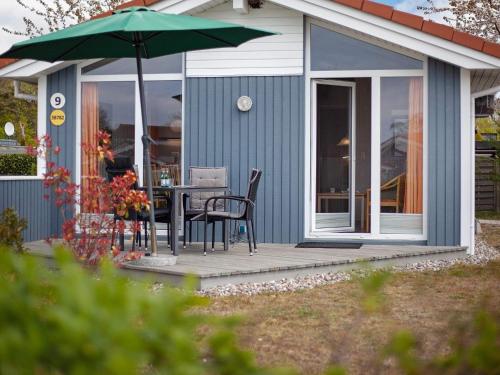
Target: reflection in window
(335,51)
(158,65)
(107,106)
(401,154)
(164,110)
(18,128)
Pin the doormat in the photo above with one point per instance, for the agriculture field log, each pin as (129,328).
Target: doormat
(328,245)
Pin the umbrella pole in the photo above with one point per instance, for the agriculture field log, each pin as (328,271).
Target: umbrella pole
(147,153)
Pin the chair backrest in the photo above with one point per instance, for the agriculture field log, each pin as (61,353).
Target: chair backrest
(206,177)
(253,185)
(118,167)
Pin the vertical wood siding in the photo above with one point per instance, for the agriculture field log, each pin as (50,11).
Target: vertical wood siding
(269,137)
(444,154)
(26,196)
(63,81)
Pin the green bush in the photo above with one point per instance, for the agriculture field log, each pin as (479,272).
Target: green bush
(73,322)
(17,165)
(11,229)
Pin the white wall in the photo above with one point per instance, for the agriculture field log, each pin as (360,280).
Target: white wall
(274,55)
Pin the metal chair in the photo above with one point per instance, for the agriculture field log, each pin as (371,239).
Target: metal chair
(194,204)
(246,205)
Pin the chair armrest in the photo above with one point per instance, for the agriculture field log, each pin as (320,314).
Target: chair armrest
(236,198)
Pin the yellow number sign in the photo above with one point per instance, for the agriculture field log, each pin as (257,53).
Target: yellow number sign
(57,117)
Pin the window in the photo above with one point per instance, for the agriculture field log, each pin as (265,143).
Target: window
(18,127)
(107,106)
(331,50)
(401,170)
(110,101)
(164,111)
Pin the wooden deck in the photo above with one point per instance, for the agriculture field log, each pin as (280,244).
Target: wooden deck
(274,262)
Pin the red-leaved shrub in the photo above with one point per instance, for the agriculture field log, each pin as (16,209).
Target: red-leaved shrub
(87,210)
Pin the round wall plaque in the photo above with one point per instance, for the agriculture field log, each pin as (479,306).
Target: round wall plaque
(57,100)
(9,129)
(244,103)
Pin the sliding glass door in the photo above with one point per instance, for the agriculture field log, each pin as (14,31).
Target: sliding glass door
(334,154)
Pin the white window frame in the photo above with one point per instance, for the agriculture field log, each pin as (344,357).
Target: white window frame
(138,147)
(41,129)
(352,151)
(376,76)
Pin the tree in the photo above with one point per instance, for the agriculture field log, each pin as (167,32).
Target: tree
(477,17)
(51,15)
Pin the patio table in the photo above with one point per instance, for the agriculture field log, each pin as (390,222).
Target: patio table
(176,192)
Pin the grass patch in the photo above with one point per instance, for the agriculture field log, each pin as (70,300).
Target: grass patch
(313,329)
(488,215)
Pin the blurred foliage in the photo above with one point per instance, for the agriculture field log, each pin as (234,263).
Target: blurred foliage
(22,113)
(17,165)
(11,229)
(474,349)
(487,126)
(73,322)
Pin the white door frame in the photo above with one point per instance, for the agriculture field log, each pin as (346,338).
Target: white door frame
(352,152)
(376,76)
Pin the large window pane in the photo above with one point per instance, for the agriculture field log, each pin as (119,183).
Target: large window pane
(401,155)
(18,128)
(164,109)
(158,65)
(107,106)
(335,51)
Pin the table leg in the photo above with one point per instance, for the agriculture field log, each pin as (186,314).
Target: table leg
(174,235)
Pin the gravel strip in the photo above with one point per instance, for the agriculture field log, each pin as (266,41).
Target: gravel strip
(484,254)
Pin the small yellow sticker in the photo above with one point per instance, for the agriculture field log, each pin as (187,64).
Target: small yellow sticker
(57,117)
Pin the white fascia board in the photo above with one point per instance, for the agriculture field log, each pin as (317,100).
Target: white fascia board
(490,91)
(393,32)
(24,69)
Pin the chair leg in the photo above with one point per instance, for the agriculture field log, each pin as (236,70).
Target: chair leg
(168,234)
(185,233)
(213,236)
(122,241)
(205,237)
(113,234)
(191,232)
(146,235)
(249,239)
(253,236)
(224,233)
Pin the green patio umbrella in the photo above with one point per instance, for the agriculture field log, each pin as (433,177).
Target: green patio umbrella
(140,33)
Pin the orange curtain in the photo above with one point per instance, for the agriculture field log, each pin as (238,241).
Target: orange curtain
(414,157)
(90,128)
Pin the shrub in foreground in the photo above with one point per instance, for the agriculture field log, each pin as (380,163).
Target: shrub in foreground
(11,229)
(73,322)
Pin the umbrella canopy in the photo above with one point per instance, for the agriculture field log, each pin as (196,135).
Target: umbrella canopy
(114,37)
(135,32)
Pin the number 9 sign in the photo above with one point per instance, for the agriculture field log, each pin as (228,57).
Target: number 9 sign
(57,100)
